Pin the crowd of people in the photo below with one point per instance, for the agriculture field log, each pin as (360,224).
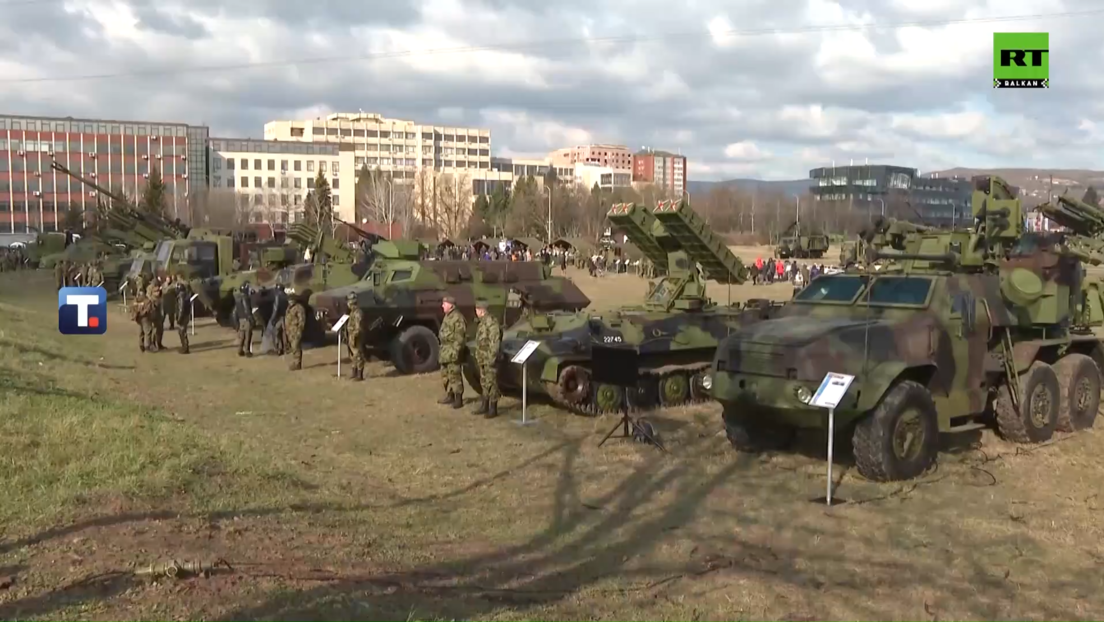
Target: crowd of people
(772,270)
(14,258)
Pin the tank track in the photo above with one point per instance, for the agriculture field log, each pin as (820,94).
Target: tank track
(589,408)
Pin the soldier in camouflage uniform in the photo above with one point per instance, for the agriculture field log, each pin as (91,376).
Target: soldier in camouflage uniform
(295,321)
(354,336)
(244,312)
(488,338)
(95,275)
(169,304)
(157,329)
(183,313)
(453,334)
(59,274)
(140,313)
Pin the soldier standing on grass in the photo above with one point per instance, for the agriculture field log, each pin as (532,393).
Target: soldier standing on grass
(157,322)
(354,336)
(453,334)
(183,313)
(294,322)
(140,313)
(59,274)
(488,339)
(242,308)
(169,301)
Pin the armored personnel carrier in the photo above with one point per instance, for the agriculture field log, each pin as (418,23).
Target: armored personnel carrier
(802,246)
(675,330)
(401,299)
(958,331)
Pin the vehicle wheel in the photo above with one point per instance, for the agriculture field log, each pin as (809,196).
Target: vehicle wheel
(749,433)
(415,351)
(1078,392)
(900,438)
(674,389)
(645,396)
(573,385)
(607,398)
(471,375)
(1037,417)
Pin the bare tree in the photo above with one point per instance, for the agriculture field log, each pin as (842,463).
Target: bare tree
(221,208)
(453,194)
(403,207)
(374,195)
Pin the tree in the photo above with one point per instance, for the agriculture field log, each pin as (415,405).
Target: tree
(374,195)
(322,207)
(453,201)
(73,220)
(153,195)
(1090,197)
(526,216)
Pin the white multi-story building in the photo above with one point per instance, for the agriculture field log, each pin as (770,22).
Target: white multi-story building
(605,177)
(272,178)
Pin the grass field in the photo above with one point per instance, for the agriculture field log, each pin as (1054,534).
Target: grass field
(338,500)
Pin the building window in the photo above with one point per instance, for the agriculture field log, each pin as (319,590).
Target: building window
(283,182)
(244,182)
(297,132)
(298,165)
(271,182)
(298,183)
(321,166)
(257,182)
(310,166)
(310,182)
(334,168)
(272,165)
(229,164)
(336,183)
(256,164)
(335,200)
(244,164)
(283,165)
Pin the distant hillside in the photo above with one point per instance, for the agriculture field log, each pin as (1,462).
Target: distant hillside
(1035,183)
(795,187)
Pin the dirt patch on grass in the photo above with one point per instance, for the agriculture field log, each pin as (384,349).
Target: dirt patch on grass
(339,500)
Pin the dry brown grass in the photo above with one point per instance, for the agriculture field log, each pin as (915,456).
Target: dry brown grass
(335,500)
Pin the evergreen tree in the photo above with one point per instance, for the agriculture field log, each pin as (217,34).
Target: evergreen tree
(74,220)
(310,209)
(323,200)
(1090,197)
(482,208)
(153,196)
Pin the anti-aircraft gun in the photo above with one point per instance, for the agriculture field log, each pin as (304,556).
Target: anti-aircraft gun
(674,330)
(958,331)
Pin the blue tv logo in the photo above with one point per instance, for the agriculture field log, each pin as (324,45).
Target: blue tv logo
(82,310)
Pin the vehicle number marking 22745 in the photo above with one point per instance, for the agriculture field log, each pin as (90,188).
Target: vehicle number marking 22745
(611,339)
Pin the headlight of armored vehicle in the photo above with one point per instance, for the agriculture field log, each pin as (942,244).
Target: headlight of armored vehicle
(707,382)
(803,394)
(320,315)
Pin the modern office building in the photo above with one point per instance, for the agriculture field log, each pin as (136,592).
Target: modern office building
(874,187)
(663,169)
(272,178)
(117,155)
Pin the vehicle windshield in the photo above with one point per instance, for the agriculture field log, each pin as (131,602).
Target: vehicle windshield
(886,290)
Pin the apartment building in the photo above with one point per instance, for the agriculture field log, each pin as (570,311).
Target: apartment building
(616,157)
(116,155)
(605,177)
(272,178)
(663,169)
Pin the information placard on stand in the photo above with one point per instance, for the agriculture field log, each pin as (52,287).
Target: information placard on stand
(191,301)
(828,396)
(337,329)
(522,358)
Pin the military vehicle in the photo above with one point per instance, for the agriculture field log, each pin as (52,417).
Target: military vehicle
(794,244)
(331,264)
(401,299)
(675,330)
(958,331)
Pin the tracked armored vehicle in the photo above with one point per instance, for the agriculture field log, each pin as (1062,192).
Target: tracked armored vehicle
(675,330)
(401,299)
(958,331)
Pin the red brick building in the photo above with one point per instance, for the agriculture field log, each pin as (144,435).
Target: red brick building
(114,154)
(661,168)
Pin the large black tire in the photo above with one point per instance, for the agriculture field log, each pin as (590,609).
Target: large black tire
(899,439)
(415,351)
(1079,392)
(1037,418)
(751,434)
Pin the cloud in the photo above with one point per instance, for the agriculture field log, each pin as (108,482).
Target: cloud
(742,87)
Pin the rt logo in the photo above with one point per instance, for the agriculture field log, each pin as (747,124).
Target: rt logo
(82,310)
(1021,60)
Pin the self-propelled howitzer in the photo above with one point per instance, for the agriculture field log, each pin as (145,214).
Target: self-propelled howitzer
(674,330)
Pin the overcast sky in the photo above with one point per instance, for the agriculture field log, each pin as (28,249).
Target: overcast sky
(675,75)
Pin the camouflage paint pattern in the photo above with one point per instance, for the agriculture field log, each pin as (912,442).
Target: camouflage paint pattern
(674,331)
(399,293)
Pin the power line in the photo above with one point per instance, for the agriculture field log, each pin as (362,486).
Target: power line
(753,32)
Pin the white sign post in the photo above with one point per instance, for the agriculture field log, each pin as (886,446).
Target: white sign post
(122,290)
(337,328)
(829,395)
(522,358)
(191,301)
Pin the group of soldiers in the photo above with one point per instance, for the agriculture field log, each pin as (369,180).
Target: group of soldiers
(157,299)
(78,274)
(13,258)
(284,328)
(453,339)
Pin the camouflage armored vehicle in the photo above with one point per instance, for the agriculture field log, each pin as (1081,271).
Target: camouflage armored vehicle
(401,299)
(959,331)
(794,244)
(675,330)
